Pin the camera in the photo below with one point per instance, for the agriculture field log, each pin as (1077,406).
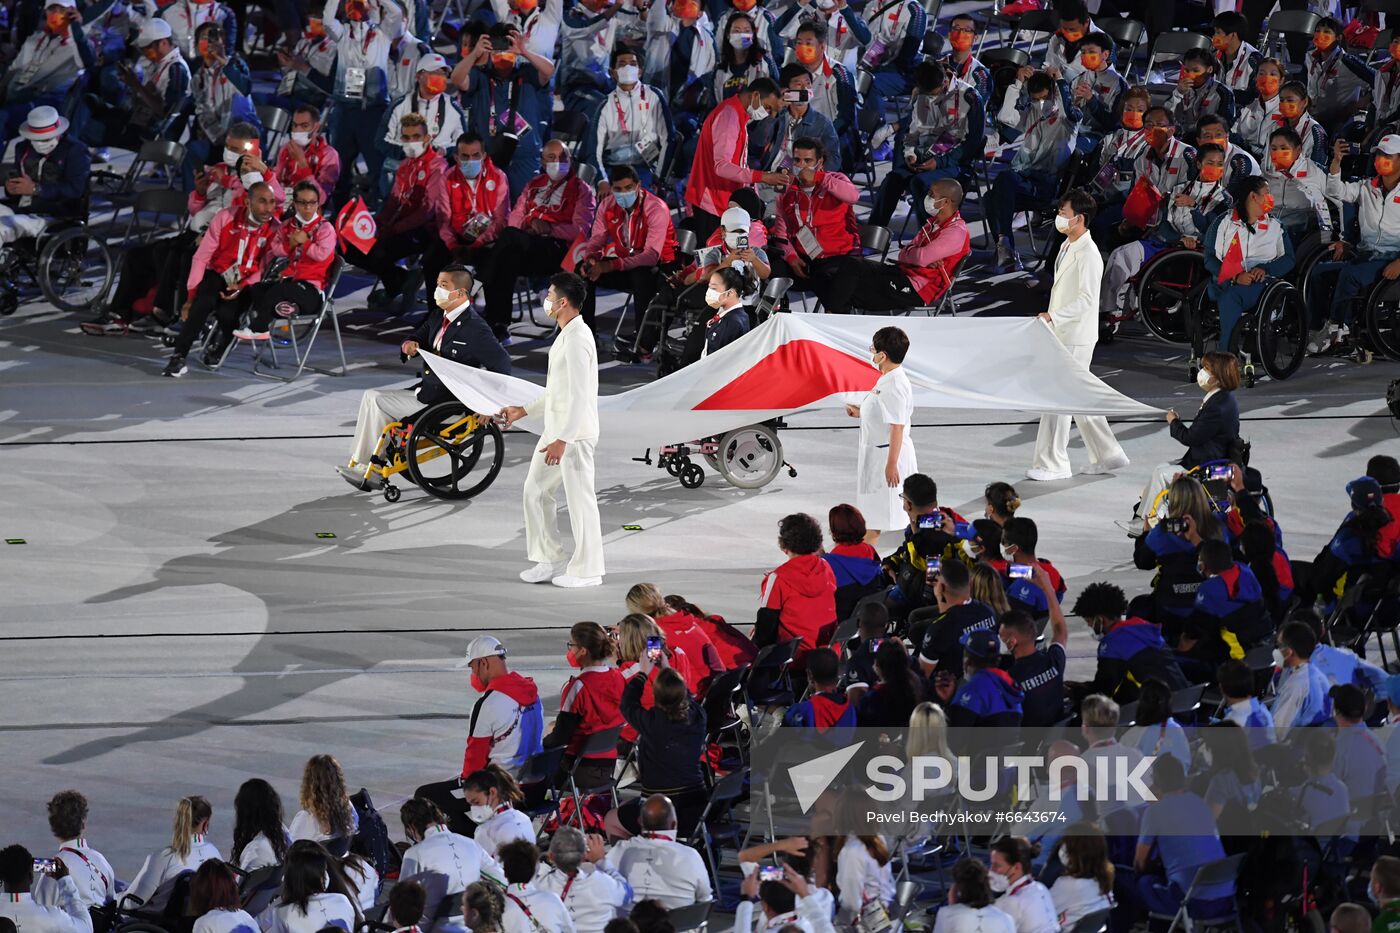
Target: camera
(654,648)
(1020,572)
(770,873)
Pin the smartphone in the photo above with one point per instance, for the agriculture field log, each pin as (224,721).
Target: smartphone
(45,866)
(1020,572)
(1176,526)
(875,644)
(1219,471)
(935,567)
(654,648)
(797,96)
(770,873)
(932,520)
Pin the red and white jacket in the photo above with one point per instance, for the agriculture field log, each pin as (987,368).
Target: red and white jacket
(311,261)
(643,236)
(418,197)
(225,191)
(827,210)
(928,262)
(322,167)
(488,194)
(721,164)
(594,694)
(566,205)
(232,240)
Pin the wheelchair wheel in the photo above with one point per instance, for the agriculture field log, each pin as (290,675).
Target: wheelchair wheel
(75,270)
(1168,286)
(693,476)
(750,457)
(1311,252)
(1383,318)
(449,442)
(1280,330)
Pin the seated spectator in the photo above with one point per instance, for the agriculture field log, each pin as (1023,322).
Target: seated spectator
(1256,119)
(946,133)
(528,907)
(478,198)
(872,624)
(429,98)
(1113,175)
(155,97)
(308,67)
(1297,187)
(47,64)
(553,210)
(791,904)
(1361,762)
(1230,616)
(1238,60)
(1045,123)
(443,862)
(315,894)
(1337,78)
(656,865)
(1259,549)
(833,90)
(797,119)
(491,795)
(1000,502)
(1294,113)
(229,183)
(962,35)
(684,30)
(188,850)
(721,163)
(863,873)
(1213,129)
(924,269)
(307,156)
(326,813)
(1322,802)
(1233,779)
(671,737)
(577,872)
(215,901)
(307,241)
(1198,92)
(49,179)
(1243,249)
(1384,99)
(852,557)
(407,900)
(940,642)
(683,631)
(1019,538)
(987,696)
(1179,829)
(1385,470)
(260,838)
(452,329)
(590,703)
(1063,46)
(634,123)
(1085,886)
(932,534)
(798,599)
(1130,650)
(1363,541)
(970,900)
(506,83)
(1385,889)
(1153,731)
(1039,674)
(817,224)
(1096,86)
(407,223)
(67,913)
(897,690)
(1300,689)
(988,582)
(507,724)
(89,869)
(734,647)
(1241,706)
(743,51)
(1350,918)
(1170,547)
(1158,168)
(632,240)
(482,907)
(826,708)
(1019,895)
(221,86)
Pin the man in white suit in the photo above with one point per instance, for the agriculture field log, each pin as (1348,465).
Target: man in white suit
(569,407)
(1073,316)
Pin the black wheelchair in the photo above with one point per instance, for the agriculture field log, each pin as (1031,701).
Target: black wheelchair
(70,265)
(1170,293)
(449,451)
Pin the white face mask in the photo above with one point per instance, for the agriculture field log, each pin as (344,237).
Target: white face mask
(731,239)
(969,550)
(1007,551)
(1203,378)
(628,75)
(44,146)
(440,295)
(307,221)
(1064,857)
(480,813)
(998,883)
(932,205)
(550,311)
(758,112)
(556,170)
(1062,223)
(231,157)
(1278,657)
(250,179)
(300,138)
(712,297)
(741,40)
(414,149)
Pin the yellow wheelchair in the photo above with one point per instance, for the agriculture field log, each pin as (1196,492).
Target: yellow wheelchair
(450,451)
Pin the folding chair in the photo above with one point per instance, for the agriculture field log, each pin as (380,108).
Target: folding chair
(541,769)
(1211,874)
(946,301)
(1380,51)
(1127,35)
(1096,922)
(1286,24)
(775,659)
(122,188)
(587,174)
(288,326)
(1037,22)
(867,123)
(594,744)
(1186,702)
(844,633)
(875,239)
(277,123)
(693,917)
(1171,45)
(773,291)
(717,823)
(569,128)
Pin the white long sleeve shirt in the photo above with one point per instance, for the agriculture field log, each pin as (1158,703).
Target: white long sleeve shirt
(860,878)
(632,128)
(593,896)
(322,910)
(444,863)
(157,875)
(813,915)
(67,915)
(657,866)
(531,910)
(1074,297)
(506,825)
(259,853)
(90,871)
(1029,904)
(226,921)
(569,404)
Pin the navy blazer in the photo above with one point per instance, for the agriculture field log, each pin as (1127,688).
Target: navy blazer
(468,340)
(1210,434)
(730,328)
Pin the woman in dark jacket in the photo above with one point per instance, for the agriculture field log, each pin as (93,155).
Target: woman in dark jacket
(1208,437)
(890,703)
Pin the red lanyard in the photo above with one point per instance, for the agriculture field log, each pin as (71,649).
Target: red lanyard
(622,117)
(543,199)
(564,895)
(633,227)
(89,864)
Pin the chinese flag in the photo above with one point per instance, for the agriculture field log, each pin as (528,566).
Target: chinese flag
(1233,262)
(356,225)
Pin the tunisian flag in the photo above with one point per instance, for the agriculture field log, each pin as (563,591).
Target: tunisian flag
(356,225)
(1232,263)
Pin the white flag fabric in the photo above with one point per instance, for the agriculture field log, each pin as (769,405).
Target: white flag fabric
(800,362)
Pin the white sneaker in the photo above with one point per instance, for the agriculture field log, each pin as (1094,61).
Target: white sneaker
(1045,476)
(247,333)
(542,572)
(1110,465)
(881,136)
(574,583)
(1321,340)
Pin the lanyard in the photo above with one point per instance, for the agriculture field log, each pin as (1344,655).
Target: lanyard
(633,227)
(564,894)
(797,206)
(544,197)
(617,103)
(89,864)
(310,232)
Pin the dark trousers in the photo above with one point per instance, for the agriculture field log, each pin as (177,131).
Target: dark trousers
(356,133)
(640,283)
(1012,192)
(382,259)
(885,289)
(901,179)
(834,280)
(703,223)
(208,300)
(283,298)
(517,253)
(161,263)
(445,795)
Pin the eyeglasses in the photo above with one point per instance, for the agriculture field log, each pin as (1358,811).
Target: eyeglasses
(299,202)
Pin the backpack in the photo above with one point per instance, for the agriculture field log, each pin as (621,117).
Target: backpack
(372,838)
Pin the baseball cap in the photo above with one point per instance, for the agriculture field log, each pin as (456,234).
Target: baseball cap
(151,31)
(982,643)
(432,62)
(485,646)
(736,218)
(1364,491)
(1389,144)
(1392,689)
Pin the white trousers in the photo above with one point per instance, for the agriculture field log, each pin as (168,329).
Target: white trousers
(1052,440)
(542,542)
(379,408)
(1123,263)
(13,226)
(1160,479)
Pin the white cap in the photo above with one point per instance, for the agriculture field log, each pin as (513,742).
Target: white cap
(1389,144)
(736,218)
(485,646)
(71,4)
(43,123)
(152,30)
(432,62)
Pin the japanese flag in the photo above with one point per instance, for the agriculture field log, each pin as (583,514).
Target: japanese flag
(1232,264)
(356,226)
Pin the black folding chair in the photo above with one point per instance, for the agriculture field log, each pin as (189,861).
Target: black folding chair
(717,824)
(595,744)
(1127,35)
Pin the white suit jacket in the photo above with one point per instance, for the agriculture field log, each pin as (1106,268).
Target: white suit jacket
(570,401)
(1074,297)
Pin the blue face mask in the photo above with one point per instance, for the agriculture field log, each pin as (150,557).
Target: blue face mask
(471,168)
(625,199)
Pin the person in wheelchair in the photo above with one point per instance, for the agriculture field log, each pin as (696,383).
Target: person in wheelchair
(1378,246)
(1243,248)
(1297,187)
(1255,120)
(454,330)
(1198,93)
(307,241)
(1160,166)
(50,178)
(1213,128)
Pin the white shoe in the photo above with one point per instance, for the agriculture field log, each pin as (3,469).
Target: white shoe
(1321,340)
(574,583)
(542,572)
(881,136)
(1045,476)
(1096,468)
